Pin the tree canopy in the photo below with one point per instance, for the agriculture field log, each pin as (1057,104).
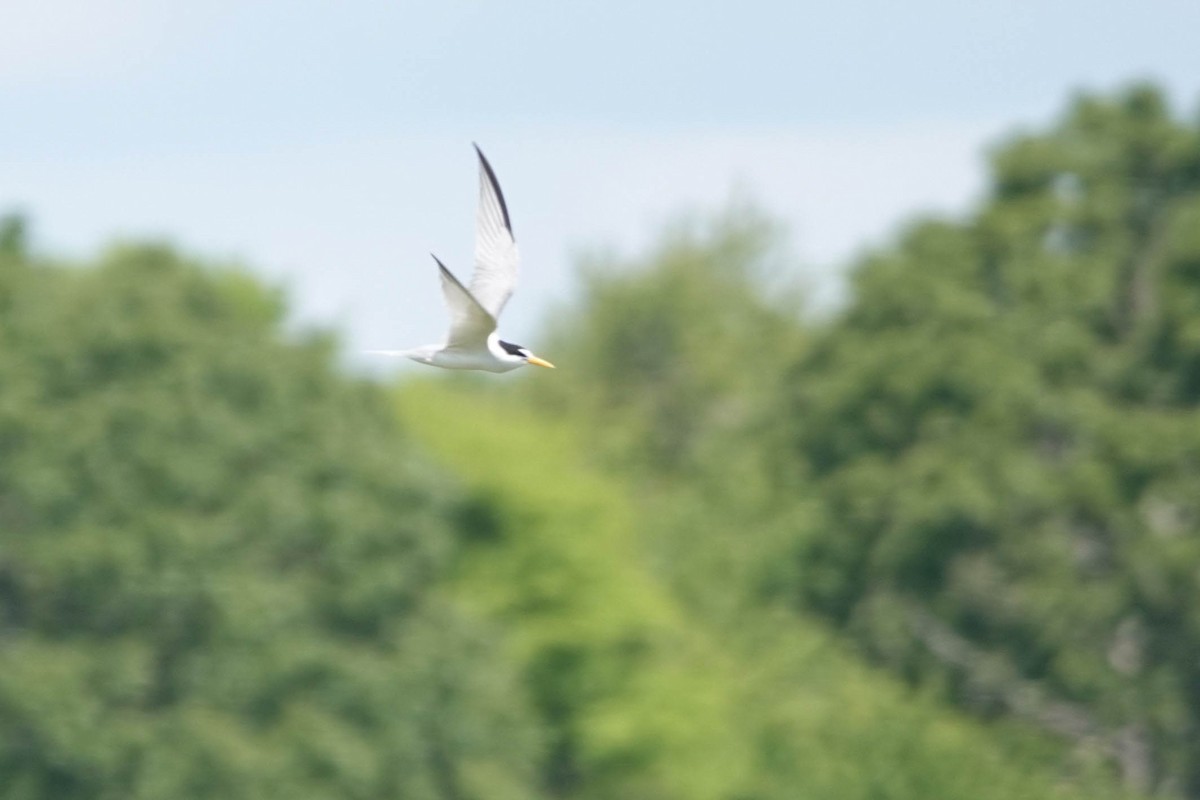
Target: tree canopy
(1003,428)
(219,557)
(984,468)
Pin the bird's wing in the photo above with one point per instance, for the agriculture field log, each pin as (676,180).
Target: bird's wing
(470,323)
(496,257)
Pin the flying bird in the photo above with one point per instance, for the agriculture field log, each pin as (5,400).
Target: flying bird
(472,342)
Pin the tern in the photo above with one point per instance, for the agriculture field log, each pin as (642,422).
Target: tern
(472,342)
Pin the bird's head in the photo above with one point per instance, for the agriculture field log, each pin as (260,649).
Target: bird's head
(522,353)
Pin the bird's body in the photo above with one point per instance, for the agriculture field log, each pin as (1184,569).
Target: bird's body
(491,357)
(472,342)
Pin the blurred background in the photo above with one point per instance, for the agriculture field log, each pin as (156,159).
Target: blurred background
(871,468)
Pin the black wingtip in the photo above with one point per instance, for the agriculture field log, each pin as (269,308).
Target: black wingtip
(438,260)
(491,175)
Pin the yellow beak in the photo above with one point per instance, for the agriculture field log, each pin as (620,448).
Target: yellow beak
(537,362)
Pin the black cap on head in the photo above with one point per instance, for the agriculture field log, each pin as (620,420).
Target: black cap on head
(514,349)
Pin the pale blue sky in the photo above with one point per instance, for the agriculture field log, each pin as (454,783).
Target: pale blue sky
(328,144)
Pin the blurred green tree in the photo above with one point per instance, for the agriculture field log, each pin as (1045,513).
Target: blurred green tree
(674,366)
(685,350)
(1003,426)
(681,343)
(13,236)
(219,558)
(648,697)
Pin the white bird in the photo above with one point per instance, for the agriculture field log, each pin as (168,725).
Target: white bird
(472,342)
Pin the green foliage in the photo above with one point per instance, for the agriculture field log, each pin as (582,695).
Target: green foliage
(12,237)
(606,658)
(1002,426)
(983,470)
(218,559)
(649,698)
(681,354)
(679,346)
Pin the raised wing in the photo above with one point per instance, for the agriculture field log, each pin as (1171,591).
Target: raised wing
(496,257)
(470,323)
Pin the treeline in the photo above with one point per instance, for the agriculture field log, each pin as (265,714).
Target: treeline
(1005,426)
(228,569)
(655,683)
(986,469)
(219,558)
